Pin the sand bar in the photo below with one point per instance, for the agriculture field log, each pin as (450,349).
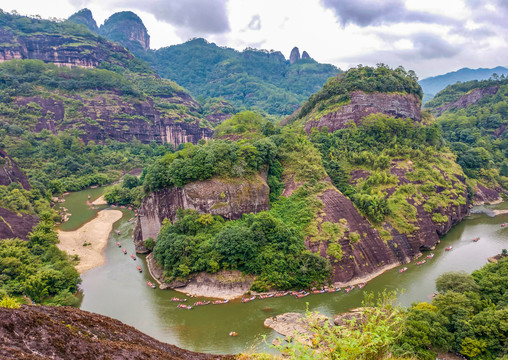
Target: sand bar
(99,201)
(96,232)
(500,212)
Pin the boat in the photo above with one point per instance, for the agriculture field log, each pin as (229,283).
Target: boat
(201,303)
(449,248)
(124,251)
(119,244)
(402,270)
(152,285)
(267,296)
(175,299)
(218,302)
(182,306)
(139,268)
(318,291)
(118,232)
(133,257)
(301,295)
(280,294)
(361,286)
(476,239)
(430,256)
(504,224)
(246,300)
(421,262)
(349,288)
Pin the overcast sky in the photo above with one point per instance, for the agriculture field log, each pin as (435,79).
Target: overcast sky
(431,37)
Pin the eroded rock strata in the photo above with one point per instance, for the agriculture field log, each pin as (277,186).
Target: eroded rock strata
(229,198)
(48,332)
(363,104)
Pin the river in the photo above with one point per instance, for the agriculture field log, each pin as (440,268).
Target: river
(118,290)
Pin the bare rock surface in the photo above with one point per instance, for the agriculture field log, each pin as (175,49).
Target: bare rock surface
(47,332)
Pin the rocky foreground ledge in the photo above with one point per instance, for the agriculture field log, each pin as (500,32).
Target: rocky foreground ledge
(47,332)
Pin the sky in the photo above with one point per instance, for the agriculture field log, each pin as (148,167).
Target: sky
(431,37)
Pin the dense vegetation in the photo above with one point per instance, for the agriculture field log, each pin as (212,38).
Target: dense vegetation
(382,143)
(38,269)
(253,79)
(381,78)
(468,317)
(477,133)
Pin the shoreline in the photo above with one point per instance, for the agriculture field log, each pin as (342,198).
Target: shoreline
(95,233)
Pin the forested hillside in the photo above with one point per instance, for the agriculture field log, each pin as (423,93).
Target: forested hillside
(474,117)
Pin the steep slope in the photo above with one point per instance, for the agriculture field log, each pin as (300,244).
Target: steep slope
(85,17)
(14,222)
(474,117)
(127,29)
(432,85)
(35,332)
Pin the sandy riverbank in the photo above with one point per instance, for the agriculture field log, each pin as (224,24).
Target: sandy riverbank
(94,232)
(99,201)
(500,212)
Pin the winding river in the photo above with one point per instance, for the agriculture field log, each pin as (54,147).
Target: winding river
(118,290)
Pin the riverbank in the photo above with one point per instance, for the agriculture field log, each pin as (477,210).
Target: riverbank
(89,240)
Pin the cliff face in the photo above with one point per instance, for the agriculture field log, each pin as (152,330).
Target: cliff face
(62,50)
(107,115)
(12,224)
(362,104)
(370,254)
(464,101)
(229,198)
(35,332)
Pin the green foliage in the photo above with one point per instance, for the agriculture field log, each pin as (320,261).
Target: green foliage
(37,268)
(257,80)
(260,244)
(475,132)
(245,125)
(369,335)
(9,302)
(381,143)
(364,78)
(468,316)
(59,163)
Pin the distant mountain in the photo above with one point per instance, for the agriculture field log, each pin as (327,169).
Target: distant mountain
(432,85)
(250,79)
(85,17)
(127,29)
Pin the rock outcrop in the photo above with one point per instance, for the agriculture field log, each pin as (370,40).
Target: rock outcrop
(85,17)
(57,332)
(229,198)
(469,99)
(484,195)
(110,116)
(294,56)
(14,224)
(362,104)
(370,254)
(297,326)
(127,29)
(59,49)
(306,56)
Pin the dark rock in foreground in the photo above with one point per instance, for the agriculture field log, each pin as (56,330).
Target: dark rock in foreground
(40,332)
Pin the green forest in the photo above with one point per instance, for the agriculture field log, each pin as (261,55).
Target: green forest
(476,133)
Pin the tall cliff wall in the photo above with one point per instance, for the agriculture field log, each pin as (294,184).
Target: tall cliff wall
(362,104)
(227,197)
(108,115)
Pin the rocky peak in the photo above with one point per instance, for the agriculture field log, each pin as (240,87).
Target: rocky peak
(85,17)
(295,55)
(127,29)
(306,56)
(468,99)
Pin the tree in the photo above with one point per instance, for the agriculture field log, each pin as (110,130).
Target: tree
(460,282)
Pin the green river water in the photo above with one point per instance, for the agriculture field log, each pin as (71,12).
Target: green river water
(118,290)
